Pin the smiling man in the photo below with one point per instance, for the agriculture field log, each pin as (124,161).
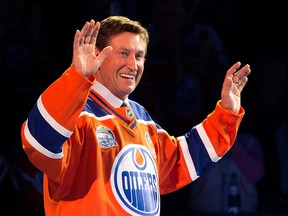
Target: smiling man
(101,158)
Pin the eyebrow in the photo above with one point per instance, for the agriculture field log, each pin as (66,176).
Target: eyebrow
(129,50)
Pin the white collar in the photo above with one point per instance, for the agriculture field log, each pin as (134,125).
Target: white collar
(105,93)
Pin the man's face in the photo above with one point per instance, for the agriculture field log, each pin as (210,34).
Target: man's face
(122,70)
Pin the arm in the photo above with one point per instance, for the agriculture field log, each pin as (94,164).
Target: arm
(186,158)
(189,156)
(52,120)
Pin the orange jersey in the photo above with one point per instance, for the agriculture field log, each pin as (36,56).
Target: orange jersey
(99,158)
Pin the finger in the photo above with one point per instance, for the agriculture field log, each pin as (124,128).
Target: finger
(228,81)
(240,85)
(89,31)
(87,35)
(234,68)
(82,33)
(76,40)
(92,23)
(84,29)
(104,53)
(241,74)
(95,33)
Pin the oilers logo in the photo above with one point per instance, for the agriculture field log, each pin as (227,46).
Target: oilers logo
(134,181)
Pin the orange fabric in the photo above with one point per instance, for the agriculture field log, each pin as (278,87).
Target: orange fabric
(84,180)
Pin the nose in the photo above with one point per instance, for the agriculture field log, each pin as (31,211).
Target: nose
(132,63)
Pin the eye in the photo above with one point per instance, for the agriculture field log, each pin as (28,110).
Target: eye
(139,56)
(124,53)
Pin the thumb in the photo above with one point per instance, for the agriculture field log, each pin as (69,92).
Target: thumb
(104,53)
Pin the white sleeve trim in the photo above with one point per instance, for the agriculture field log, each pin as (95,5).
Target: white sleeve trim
(39,147)
(187,157)
(51,121)
(208,145)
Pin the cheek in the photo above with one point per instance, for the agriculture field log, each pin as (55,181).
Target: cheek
(139,74)
(107,66)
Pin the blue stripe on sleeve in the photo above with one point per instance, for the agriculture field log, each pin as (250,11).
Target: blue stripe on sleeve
(198,152)
(45,135)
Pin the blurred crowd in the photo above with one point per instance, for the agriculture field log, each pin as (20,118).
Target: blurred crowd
(193,43)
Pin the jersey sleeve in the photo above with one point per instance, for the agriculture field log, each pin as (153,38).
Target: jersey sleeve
(52,119)
(185,158)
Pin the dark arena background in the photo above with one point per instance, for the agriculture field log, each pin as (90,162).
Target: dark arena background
(36,47)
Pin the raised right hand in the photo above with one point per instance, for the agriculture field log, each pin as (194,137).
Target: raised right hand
(85,60)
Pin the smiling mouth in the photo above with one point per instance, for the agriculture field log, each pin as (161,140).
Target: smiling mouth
(127,76)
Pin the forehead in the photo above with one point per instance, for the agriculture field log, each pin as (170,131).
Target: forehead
(129,41)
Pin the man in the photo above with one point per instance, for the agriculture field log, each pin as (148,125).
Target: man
(101,158)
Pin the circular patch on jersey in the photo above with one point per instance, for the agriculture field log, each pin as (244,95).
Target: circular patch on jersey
(134,181)
(105,137)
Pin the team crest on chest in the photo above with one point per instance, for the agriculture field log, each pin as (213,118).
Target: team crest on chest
(105,137)
(134,181)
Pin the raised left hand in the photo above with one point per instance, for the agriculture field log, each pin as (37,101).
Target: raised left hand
(234,82)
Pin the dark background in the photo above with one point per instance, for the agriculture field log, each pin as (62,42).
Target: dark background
(36,47)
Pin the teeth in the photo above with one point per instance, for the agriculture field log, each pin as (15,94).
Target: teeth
(127,76)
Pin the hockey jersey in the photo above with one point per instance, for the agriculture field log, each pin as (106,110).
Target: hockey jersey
(99,158)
